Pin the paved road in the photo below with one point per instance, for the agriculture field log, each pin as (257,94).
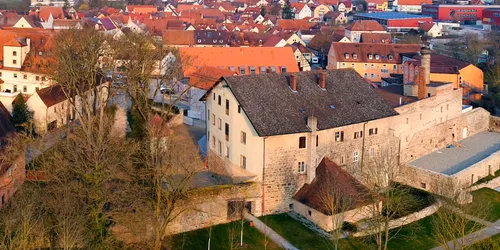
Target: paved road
(263,228)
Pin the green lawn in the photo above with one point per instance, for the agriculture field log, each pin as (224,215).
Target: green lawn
(414,236)
(302,237)
(222,236)
(490,200)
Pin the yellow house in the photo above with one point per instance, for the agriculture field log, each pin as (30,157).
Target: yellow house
(372,61)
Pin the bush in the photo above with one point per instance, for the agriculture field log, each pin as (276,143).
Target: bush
(349,227)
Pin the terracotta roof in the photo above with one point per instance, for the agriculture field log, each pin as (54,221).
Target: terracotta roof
(8,19)
(52,95)
(366,25)
(45,11)
(294,24)
(142,9)
(182,7)
(235,57)
(178,37)
(323,41)
(387,53)
(298,6)
(442,64)
(272,41)
(206,76)
(332,181)
(274,109)
(376,38)
(426,26)
(66,23)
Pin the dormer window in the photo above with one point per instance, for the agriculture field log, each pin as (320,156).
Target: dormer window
(40,53)
(370,56)
(354,56)
(199,40)
(377,57)
(346,55)
(390,57)
(215,40)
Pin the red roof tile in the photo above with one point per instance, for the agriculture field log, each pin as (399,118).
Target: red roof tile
(366,25)
(332,181)
(206,76)
(45,11)
(363,50)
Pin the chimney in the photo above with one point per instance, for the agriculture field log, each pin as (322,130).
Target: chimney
(321,80)
(425,63)
(293,82)
(421,83)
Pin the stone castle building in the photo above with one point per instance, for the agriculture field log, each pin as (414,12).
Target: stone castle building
(276,128)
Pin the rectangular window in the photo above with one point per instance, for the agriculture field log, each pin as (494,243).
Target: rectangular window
(302,142)
(339,136)
(239,109)
(283,69)
(358,134)
(372,131)
(220,100)
(302,167)
(243,162)
(214,96)
(15,88)
(208,110)
(213,141)
(243,137)
(14,53)
(356,156)
(14,61)
(252,70)
(317,140)
(25,89)
(43,78)
(15,75)
(213,119)
(226,131)
(227,152)
(373,66)
(220,124)
(372,152)
(37,78)
(366,65)
(219,147)
(242,71)
(227,107)
(342,159)
(25,77)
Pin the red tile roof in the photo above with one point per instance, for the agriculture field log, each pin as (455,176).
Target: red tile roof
(52,95)
(442,64)
(376,38)
(178,37)
(231,58)
(426,26)
(332,181)
(366,25)
(45,11)
(206,76)
(414,2)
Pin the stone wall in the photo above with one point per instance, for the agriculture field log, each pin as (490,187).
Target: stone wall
(495,123)
(209,206)
(479,170)
(439,136)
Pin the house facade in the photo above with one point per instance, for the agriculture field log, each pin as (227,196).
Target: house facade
(363,26)
(372,61)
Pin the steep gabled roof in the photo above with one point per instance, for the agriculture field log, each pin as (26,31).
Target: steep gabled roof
(426,26)
(331,181)
(45,11)
(375,38)
(52,95)
(366,25)
(442,64)
(227,57)
(274,109)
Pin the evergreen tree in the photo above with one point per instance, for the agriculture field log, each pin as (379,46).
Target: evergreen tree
(21,116)
(287,11)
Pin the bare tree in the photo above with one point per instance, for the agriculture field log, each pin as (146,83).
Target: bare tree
(457,219)
(335,200)
(389,200)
